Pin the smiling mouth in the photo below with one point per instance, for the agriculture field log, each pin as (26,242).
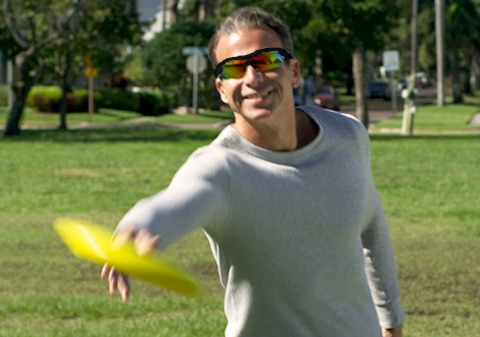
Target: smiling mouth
(257,95)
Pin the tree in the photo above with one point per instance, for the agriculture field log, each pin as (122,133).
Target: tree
(56,37)
(360,26)
(163,57)
(33,25)
(462,37)
(99,34)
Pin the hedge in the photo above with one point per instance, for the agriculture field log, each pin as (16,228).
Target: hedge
(154,103)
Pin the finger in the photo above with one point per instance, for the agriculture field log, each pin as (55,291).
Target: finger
(145,242)
(124,287)
(105,271)
(122,237)
(112,281)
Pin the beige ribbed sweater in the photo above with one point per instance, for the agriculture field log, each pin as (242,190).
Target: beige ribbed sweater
(300,237)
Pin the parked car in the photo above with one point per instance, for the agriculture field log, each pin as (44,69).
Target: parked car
(421,81)
(327,98)
(379,89)
(402,83)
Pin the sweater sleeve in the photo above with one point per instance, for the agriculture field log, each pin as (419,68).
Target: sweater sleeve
(380,264)
(196,197)
(381,269)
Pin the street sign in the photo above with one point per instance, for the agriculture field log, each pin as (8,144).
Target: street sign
(391,63)
(194,51)
(196,63)
(91,72)
(391,60)
(196,66)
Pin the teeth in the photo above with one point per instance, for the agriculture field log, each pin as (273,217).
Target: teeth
(258,95)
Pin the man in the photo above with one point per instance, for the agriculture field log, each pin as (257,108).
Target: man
(286,199)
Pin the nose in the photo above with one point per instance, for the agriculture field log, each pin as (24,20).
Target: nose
(249,63)
(251,72)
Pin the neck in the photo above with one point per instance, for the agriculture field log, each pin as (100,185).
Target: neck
(292,133)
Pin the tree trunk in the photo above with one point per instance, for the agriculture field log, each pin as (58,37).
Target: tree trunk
(66,88)
(12,127)
(350,81)
(361,108)
(29,71)
(63,108)
(457,93)
(173,10)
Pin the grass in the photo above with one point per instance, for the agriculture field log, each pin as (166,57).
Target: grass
(428,183)
(434,119)
(117,117)
(429,186)
(93,175)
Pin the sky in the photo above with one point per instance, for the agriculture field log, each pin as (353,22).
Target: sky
(148,8)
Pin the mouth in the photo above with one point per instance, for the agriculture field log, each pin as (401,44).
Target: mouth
(257,95)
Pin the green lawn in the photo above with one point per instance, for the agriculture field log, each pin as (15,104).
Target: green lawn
(117,117)
(93,175)
(429,118)
(429,185)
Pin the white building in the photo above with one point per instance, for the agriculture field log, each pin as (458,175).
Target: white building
(156,12)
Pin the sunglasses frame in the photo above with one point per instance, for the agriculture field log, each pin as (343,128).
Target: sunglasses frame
(219,68)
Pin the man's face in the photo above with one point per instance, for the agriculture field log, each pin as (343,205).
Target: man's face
(256,95)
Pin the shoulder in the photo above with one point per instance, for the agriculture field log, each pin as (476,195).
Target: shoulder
(210,158)
(334,122)
(208,162)
(218,152)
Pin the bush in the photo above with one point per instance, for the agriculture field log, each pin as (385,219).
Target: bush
(78,100)
(48,98)
(118,99)
(147,103)
(154,103)
(45,98)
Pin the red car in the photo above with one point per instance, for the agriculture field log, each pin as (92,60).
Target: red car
(327,98)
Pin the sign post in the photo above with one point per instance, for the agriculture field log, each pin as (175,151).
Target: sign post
(91,73)
(391,63)
(196,64)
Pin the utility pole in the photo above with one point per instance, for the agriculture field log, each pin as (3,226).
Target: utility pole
(164,15)
(409,108)
(440,39)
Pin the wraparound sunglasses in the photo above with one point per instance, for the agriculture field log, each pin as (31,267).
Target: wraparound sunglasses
(262,60)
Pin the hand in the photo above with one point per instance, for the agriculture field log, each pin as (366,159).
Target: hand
(393,332)
(144,243)
(116,281)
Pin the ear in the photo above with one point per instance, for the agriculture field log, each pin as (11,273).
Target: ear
(295,67)
(221,90)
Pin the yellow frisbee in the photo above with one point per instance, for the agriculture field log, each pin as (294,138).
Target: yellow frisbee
(93,243)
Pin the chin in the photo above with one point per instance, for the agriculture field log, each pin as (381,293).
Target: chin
(258,114)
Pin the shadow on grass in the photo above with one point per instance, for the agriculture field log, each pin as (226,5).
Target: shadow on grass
(177,135)
(113,135)
(432,137)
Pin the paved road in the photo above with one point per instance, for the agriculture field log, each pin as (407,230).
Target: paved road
(378,110)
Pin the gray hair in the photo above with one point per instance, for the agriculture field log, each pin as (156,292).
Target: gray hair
(249,18)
